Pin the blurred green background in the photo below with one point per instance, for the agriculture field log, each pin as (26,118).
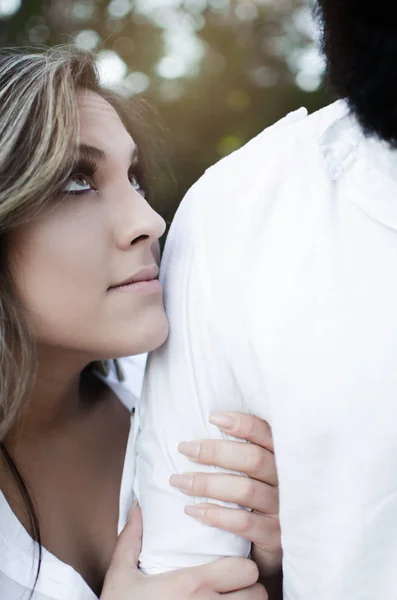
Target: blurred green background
(218,71)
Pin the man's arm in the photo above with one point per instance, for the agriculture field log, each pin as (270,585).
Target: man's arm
(187,379)
(211,272)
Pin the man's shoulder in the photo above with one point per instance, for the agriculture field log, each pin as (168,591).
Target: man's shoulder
(279,141)
(298,149)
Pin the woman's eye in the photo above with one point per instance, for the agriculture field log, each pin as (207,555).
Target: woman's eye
(136,185)
(77,184)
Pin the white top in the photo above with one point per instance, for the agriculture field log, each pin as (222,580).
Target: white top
(18,552)
(280,275)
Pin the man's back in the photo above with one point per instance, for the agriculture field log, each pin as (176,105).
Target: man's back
(280,287)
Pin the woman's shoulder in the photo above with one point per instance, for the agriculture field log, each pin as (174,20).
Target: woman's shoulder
(12,590)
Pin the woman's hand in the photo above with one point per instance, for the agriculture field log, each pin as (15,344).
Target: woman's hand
(258,491)
(229,578)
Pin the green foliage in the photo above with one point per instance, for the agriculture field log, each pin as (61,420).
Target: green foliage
(243,82)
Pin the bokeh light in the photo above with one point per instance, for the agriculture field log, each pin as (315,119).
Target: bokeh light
(87,39)
(9,7)
(134,84)
(83,10)
(112,69)
(118,9)
(247,11)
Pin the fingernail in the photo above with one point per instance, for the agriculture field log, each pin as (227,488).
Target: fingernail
(182,482)
(223,420)
(195,512)
(190,449)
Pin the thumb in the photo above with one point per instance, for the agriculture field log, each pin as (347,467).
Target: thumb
(128,548)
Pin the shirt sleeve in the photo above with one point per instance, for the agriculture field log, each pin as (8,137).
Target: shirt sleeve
(205,365)
(187,379)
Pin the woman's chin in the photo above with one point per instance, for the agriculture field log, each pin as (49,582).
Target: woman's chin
(150,338)
(158,337)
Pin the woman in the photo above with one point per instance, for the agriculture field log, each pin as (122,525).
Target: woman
(79,289)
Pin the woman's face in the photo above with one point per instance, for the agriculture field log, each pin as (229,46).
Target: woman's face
(68,264)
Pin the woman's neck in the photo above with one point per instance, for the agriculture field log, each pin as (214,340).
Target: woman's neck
(57,399)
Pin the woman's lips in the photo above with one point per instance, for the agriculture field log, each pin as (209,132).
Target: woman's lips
(145,281)
(150,286)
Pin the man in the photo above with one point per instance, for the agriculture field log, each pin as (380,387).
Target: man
(280,277)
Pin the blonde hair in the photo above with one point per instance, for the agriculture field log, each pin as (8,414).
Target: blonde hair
(38,133)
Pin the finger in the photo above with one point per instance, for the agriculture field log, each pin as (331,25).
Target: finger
(255,592)
(263,530)
(229,574)
(247,427)
(229,488)
(250,459)
(128,548)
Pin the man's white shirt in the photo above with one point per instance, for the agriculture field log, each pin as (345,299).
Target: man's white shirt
(280,275)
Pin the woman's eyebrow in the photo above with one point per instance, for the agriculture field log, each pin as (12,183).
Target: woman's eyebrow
(91,153)
(87,152)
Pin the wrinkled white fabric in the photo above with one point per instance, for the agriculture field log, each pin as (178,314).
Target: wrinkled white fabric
(280,276)
(18,552)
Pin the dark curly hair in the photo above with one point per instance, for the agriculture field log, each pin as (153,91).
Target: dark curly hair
(360,44)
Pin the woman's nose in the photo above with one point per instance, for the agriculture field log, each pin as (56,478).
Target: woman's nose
(137,222)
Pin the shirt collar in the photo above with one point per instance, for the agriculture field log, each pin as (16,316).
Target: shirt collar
(364,169)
